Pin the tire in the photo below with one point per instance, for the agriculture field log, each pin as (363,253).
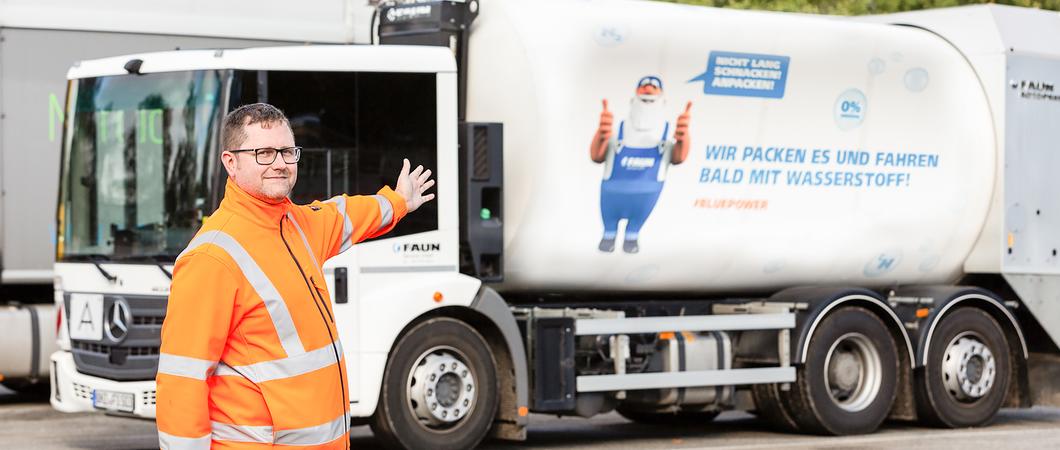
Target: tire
(677,418)
(848,383)
(770,407)
(425,379)
(972,335)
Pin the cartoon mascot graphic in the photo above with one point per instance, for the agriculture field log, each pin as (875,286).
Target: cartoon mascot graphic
(636,160)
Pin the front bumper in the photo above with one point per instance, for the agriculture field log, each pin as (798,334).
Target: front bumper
(72,390)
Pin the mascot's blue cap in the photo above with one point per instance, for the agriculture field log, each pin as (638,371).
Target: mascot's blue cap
(652,80)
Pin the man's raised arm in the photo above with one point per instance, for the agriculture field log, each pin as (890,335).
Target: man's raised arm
(363,217)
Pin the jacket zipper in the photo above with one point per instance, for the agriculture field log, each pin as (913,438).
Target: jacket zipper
(316,297)
(316,291)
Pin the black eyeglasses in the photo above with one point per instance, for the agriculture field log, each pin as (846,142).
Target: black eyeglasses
(266,156)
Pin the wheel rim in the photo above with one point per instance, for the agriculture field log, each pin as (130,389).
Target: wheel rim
(968,368)
(853,372)
(441,388)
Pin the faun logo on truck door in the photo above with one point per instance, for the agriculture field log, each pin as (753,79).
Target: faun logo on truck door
(425,247)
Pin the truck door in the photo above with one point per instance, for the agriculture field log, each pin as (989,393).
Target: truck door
(355,129)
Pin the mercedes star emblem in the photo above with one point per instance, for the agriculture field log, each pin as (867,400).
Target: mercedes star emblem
(117,320)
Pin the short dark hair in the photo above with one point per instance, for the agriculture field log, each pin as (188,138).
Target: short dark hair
(232,134)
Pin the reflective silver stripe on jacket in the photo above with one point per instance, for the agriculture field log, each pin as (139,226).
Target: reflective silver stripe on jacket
(183,366)
(261,434)
(284,368)
(168,441)
(305,241)
(264,434)
(281,317)
(316,435)
(386,211)
(347,225)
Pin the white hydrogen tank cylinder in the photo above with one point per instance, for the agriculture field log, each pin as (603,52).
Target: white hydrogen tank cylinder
(821,151)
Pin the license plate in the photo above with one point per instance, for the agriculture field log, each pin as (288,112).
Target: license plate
(113,401)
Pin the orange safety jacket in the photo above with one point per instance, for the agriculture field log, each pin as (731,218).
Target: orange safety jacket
(250,355)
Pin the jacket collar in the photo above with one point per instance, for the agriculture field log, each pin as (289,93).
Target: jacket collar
(258,211)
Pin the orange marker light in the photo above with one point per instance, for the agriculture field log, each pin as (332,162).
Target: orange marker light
(922,313)
(670,335)
(523,411)
(438,297)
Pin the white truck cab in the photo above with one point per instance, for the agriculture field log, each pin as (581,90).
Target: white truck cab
(140,171)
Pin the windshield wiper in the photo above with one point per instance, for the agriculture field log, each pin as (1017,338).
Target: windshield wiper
(158,260)
(165,271)
(96,259)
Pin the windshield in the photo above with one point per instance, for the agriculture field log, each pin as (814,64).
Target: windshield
(138,164)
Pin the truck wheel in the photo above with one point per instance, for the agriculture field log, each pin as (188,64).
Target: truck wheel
(768,406)
(967,373)
(847,384)
(439,388)
(676,418)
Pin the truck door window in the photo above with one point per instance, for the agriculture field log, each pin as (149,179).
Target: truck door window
(355,128)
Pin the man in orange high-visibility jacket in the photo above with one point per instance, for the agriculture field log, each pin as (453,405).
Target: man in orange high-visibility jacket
(250,354)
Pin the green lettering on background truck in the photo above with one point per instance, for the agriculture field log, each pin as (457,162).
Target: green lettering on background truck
(149,126)
(152,120)
(55,115)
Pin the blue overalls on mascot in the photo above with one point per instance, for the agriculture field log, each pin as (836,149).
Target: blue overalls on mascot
(636,161)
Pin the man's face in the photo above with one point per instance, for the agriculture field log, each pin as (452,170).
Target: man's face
(272,183)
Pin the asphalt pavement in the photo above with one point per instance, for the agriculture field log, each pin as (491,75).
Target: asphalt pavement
(29,422)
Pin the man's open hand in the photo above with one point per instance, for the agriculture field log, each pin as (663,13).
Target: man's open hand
(413,185)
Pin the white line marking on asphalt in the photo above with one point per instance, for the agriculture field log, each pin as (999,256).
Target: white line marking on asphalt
(894,436)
